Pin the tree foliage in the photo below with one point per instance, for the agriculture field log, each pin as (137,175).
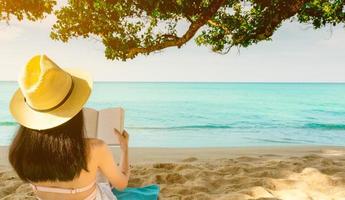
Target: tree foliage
(128,28)
(31,9)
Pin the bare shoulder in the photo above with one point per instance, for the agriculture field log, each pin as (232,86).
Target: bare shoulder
(99,151)
(94,152)
(95,144)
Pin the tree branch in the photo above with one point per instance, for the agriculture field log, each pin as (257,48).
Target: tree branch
(213,23)
(281,12)
(179,41)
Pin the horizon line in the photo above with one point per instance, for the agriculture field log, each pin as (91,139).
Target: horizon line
(233,82)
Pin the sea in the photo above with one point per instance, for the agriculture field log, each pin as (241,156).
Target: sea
(215,114)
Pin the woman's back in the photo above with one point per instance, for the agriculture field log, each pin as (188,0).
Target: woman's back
(100,160)
(86,178)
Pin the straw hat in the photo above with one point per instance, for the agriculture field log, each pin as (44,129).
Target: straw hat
(49,96)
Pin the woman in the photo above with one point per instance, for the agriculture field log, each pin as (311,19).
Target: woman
(50,150)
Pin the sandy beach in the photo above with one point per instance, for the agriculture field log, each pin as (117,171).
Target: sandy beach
(289,173)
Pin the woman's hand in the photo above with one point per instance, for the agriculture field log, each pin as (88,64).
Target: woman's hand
(122,138)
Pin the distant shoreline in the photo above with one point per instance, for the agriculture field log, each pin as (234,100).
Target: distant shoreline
(157,154)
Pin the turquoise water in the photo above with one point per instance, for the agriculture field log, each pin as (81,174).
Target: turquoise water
(216,114)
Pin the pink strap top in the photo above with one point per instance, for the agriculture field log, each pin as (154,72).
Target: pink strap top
(62,190)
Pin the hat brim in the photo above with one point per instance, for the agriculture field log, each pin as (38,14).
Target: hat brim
(32,119)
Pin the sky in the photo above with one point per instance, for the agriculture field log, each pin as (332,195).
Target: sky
(297,53)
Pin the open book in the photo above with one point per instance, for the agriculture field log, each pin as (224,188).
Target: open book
(101,124)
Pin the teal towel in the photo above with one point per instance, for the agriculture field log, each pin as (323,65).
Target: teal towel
(149,192)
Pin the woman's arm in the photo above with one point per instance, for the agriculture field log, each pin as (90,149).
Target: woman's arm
(117,176)
(124,163)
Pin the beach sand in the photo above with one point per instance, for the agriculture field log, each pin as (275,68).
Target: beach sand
(270,173)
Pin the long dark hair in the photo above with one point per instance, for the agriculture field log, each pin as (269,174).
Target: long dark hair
(56,154)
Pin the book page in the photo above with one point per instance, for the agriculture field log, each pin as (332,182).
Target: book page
(90,122)
(108,119)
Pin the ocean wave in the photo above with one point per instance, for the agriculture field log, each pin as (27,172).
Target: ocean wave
(331,112)
(277,141)
(6,123)
(325,126)
(321,126)
(206,126)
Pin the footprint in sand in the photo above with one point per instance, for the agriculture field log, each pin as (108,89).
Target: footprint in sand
(190,159)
